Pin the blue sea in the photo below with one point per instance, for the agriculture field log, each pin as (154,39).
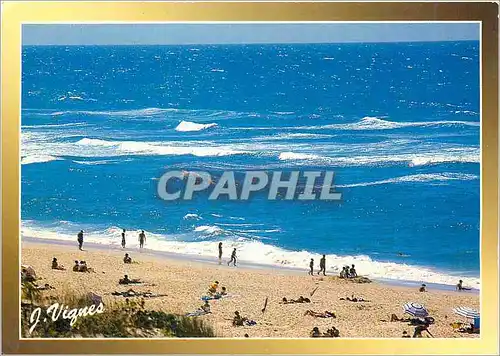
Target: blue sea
(398,123)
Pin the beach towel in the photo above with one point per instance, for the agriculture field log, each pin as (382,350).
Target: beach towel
(218,296)
(197,313)
(209,297)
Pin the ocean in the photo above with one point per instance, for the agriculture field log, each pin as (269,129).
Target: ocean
(398,123)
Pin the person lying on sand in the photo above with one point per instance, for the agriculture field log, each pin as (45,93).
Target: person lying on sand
(126,280)
(325,314)
(131,293)
(45,287)
(127,259)
(204,309)
(427,320)
(394,318)
(354,299)
(301,299)
(57,266)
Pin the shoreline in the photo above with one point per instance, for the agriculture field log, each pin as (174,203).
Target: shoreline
(242,265)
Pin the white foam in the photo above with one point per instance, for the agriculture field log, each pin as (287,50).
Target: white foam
(38,159)
(374,123)
(186,126)
(50,126)
(289,136)
(192,216)
(253,251)
(371,123)
(95,142)
(209,229)
(465,155)
(95,163)
(90,147)
(297,156)
(415,178)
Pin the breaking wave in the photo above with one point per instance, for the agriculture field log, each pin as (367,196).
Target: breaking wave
(249,250)
(186,126)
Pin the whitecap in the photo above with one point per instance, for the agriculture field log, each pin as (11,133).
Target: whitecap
(186,126)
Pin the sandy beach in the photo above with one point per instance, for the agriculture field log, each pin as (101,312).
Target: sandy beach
(184,282)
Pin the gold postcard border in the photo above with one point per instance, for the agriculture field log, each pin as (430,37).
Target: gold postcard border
(16,13)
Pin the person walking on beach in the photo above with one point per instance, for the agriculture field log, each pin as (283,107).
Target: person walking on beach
(233,258)
(322,265)
(80,240)
(142,239)
(220,252)
(311,267)
(123,238)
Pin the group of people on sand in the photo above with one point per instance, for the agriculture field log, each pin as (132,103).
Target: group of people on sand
(213,292)
(345,273)
(233,256)
(82,267)
(332,332)
(79,266)
(142,239)
(348,272)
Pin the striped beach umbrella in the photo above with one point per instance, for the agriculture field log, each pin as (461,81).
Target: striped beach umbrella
(416,310)
(466,312)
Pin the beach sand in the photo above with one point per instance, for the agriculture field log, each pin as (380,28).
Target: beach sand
(185,281)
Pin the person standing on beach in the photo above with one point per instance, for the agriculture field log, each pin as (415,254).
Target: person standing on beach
(311,267)
(142,239)
(220,252)
(80,240)
(233,258)
(322,265)
(123,238)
